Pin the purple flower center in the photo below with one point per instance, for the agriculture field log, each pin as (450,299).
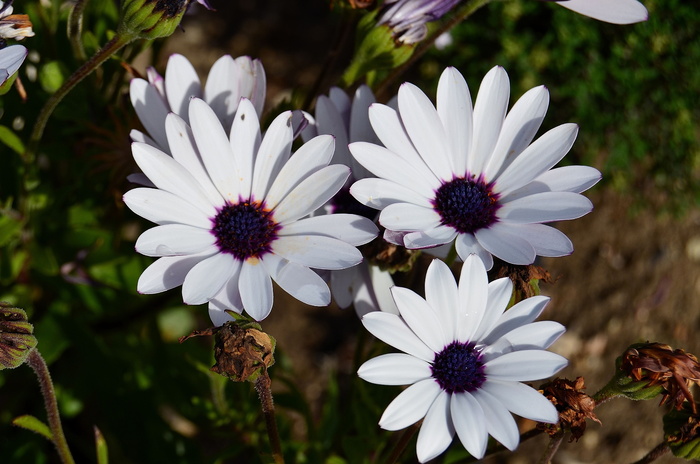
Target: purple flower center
(344,202)
(458,368)
(467,205)
(244,230)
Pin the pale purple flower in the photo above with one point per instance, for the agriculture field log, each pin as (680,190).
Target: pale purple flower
(11,58)
(408,18)
(472,176)
(465,359)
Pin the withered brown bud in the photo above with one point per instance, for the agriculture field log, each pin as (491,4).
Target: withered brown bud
(572,404)
(389,257)
(660,365)
(682,432)
(16,336)
(242,351)
(525,279)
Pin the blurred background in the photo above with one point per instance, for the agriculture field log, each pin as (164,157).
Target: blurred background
(66,238)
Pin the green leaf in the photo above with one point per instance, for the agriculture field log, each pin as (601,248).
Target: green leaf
(9,229)
(35,425)
(9,138)
(51,76)
(101,447)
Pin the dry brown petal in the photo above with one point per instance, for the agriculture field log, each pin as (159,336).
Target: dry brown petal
(573,406)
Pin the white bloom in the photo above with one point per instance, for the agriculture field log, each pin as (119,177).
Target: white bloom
(472,175)
(229,80)
(11,58)
(365,286)
(465,359)
(16,26)
(230,213)
(610,11)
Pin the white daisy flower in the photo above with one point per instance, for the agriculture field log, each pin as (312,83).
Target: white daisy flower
(471,175)
(610,11)
(465,359)
(11,58)
(229,80)
(230,213)
(365,286)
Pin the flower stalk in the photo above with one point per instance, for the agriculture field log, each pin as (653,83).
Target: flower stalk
(263,387)
(37,363)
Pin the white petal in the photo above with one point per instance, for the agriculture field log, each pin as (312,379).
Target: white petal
(575,179)
(13,56)
(470,423)
(219,316)
(215,149)
(421,318)
(208,277)
(311,193)
(175,240)
(273,153)
(537,335)
(181,84)
(360,127)
(379,193)
(500,292)
(184,151)
(245,140)
(344,283)
(394,369)
(297,280)
(611,11)
(229,297)
(425,130)
(164,207)
(375,294)
(255,286)
(502,242)
(222,90)
(430,238)
(389,128)
(350,228)
(253,83)
(167,272)
(545,207)
(138,136)
(392,330)
(442,295)
(171,176)
(316,251)
(410,406)
(489,113)
(499,421)
(151,110)
(523,366)
(454,105)
(547,241)
(436,431)
(520,314)
(536,159)
(473,294)
(310,158)
(519,128)
(522,400)
(467,244)
(388,165)
(408,217)
(330,121)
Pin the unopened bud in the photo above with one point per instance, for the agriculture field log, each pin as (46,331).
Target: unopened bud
(151,19)
(682,432)
(16,336)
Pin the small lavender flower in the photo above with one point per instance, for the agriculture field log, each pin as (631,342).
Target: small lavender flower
(408,18)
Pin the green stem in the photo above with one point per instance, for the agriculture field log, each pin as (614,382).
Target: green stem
(262,386)
(75,29)
(658,451)
(37,363)
(607,393)
(400,446)
(463,13)
(117,42)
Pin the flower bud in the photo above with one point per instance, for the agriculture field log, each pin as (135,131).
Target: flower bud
(151,19)
(682,432)
(241,349)
(16,336)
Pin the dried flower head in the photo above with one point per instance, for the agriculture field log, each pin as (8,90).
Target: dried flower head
(13,26)
(573,406)
(526,279)
(682,432)
(661,365)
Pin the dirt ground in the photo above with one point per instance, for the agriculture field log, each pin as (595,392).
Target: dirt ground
(632,277)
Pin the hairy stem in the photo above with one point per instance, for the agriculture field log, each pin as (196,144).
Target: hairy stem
(658,451)
(262,386)
(75,29)
(552,447)
(37,363)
